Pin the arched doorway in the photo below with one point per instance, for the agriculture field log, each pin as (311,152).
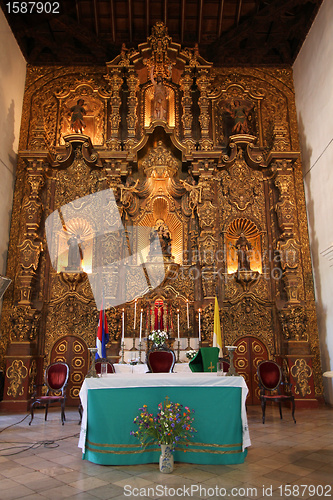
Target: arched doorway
(73,351)
(250,352)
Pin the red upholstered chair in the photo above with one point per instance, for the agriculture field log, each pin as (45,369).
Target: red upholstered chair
(270,379)
(55,378)
(98,366)
(161,361)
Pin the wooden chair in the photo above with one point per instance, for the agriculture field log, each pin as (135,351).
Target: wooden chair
(98,366)
(270,379)
(55,380)
(161,360)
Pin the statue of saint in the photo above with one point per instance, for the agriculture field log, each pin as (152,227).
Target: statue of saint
(77,122)
(240,115)
(160,106)
(75,253)
(243,247)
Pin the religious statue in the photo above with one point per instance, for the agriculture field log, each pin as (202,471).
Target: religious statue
(240,115)
(160,233)
(77,122)
(75,253)
(243,247)
(161,95)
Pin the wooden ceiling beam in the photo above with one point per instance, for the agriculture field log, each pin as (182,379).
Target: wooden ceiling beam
(113,23)
(96,18)
(219,30)
(182,22)
(130,20)
(77,11)
(165,12)
(200,20)
(238,12)
(147,18)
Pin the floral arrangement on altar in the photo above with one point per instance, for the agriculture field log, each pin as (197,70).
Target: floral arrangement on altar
(158,336)
(190,354)
(171,426)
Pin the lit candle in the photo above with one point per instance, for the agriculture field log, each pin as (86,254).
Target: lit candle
(178,323)
(123,327)
(134,315)
(141,324)
(188,315)
(199,325)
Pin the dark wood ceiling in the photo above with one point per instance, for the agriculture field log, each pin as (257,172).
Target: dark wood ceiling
(229,32)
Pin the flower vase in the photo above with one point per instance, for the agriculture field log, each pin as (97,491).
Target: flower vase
(166,459)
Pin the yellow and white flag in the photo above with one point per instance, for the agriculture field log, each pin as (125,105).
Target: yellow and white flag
(217,338)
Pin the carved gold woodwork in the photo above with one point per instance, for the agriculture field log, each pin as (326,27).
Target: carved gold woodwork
(25,322)
(16,373)
(237,179)
(293,320)
(301,372)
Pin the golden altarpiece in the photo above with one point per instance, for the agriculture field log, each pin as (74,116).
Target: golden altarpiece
(209,157)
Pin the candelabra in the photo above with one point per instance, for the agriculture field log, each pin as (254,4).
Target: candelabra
(231,351)
(140,350)
(178,352)
(92,370)
(122,361)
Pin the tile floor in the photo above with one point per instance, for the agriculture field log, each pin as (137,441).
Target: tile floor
(284,461)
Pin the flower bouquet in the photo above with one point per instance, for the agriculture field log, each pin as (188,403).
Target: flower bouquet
(158,336)
(171,426)
(190,354)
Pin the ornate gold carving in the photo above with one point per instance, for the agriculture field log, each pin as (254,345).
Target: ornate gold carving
(16,373)
(293,320)
(25,322)
(301,372)
(160,163)
(32,376)
(240,185)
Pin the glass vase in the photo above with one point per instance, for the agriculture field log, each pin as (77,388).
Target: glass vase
(166,459)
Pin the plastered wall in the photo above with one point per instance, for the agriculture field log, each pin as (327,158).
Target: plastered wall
(313,77)
(12,79)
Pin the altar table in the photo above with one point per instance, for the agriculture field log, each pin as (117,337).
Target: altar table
(111,403)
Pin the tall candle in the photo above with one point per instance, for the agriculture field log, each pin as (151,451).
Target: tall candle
(123,327)
(178,323)
(199,325)
(188,315)
(140,325)
(134,315)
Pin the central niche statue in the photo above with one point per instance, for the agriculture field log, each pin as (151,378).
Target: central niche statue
(164,235)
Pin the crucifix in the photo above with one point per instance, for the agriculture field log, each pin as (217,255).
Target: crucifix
(211,367)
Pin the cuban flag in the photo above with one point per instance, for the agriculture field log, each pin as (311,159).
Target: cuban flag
(102,335)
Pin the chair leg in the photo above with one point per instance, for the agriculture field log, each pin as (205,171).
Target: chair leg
(63,416)
(280,410)
(293,409)
(46,410)
(32,406)
(263,407)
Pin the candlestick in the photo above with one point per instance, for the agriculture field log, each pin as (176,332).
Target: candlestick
(178,352)
(92,371)
(188,315)
(134,315)
(140,349)
(140,325)
(122,362)
(178,323)
(123,326)
(199,325)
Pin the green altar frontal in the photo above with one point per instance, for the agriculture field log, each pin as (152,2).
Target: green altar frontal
(110,412)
